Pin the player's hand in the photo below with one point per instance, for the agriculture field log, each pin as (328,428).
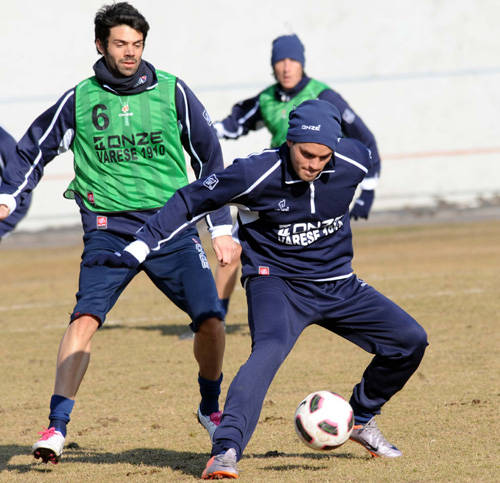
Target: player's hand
(4,212)
(363,204)
(116,259)
(225,249)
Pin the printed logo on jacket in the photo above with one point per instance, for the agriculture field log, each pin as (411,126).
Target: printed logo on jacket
(303,234)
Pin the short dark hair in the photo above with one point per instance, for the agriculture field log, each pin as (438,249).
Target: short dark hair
(120,13)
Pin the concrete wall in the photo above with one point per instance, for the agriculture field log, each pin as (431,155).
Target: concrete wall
(425,76)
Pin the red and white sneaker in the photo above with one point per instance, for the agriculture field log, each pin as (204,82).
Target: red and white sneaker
(210,422)
(50,446)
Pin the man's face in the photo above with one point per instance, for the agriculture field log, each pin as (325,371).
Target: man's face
(124,50)
(309,159)
(288,72)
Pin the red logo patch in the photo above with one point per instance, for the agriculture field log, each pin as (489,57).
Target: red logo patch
(90,197)
(102,222)
(263,270)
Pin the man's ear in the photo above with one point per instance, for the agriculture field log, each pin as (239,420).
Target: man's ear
(100,48)
(289,143)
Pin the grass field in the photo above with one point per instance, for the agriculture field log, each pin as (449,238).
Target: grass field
(134,418)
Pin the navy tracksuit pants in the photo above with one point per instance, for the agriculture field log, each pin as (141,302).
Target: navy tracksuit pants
(279,310)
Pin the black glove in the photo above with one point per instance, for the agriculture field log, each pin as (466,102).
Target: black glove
(363,204)
(116,259)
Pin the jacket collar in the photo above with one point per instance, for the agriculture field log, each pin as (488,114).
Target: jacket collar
(144,79)
(285,95)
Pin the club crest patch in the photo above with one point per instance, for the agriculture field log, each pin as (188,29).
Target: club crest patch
(264,270)
(102,222)
(211,182)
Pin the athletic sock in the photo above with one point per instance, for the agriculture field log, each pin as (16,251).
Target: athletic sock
(361,419)
(58,425)
(60,410)
(209,391)
(361,414)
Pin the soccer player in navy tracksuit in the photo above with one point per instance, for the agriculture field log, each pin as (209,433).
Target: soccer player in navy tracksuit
(294,230)
(7,153)
(270,108)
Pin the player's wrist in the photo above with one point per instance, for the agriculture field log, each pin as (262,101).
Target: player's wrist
(369,184)
(9,201)
(221,230)
(138,249)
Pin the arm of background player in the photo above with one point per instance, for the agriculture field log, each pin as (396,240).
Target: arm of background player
(245,116)
(7,150)
(50,134)
(354,127)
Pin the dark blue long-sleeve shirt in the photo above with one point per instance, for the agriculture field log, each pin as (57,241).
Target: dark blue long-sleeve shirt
(287,227)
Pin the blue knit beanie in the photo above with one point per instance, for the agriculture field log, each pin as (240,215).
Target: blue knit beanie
(287,46)
(315,121)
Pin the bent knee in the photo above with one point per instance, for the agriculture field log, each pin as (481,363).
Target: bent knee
(83,327)
(86,322)
(414,338)
(212,325)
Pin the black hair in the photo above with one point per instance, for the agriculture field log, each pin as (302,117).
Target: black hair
(121,13)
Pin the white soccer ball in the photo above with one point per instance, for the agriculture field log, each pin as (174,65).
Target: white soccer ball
(324,420)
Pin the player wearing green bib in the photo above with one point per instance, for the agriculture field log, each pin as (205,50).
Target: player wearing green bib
(127,127)
(271,107)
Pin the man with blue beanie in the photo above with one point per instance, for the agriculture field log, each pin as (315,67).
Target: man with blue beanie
(271,107)
(293,225)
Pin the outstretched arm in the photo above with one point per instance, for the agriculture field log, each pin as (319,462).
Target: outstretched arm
(245,116)
(235,184)
(187,206)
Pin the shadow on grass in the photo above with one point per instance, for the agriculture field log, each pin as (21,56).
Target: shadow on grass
(149,460)
(174,329)
(8,451)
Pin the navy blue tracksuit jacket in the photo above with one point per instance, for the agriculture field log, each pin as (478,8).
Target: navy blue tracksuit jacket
(287,227)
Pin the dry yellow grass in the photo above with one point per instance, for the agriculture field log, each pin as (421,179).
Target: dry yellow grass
(134,418)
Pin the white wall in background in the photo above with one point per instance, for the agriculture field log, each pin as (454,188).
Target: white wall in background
(425,77)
